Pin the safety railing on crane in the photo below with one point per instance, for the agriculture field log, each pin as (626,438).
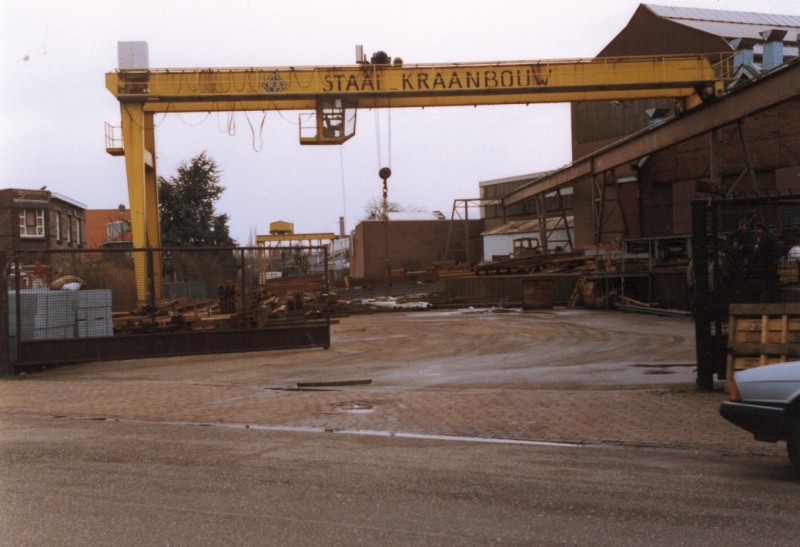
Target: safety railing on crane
(114,144)
(331,123)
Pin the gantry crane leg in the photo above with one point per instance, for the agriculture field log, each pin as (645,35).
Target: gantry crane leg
(138,132)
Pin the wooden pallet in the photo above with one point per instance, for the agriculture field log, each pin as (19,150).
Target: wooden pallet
(576,295)
(762,334)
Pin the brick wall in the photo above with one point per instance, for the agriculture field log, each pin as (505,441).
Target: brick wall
(412,245)
(668,179)
(71,217)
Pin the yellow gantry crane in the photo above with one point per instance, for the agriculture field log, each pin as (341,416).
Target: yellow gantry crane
(332,95)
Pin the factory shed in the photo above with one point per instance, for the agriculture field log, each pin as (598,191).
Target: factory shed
(665,30)
(639,163)
(381,248)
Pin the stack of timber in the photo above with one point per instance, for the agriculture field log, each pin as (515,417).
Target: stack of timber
(451,268)
(291,284)
(172,315)
(762,334)
(549,263)
(283,298)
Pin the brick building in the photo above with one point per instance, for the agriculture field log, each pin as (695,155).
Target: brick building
(40,219)
(648,195)
(409,245)
(655,192)
(108,228)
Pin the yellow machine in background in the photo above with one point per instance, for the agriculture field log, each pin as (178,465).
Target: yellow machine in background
(283,240)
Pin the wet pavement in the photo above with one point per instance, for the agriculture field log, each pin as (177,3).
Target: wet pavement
(560,376)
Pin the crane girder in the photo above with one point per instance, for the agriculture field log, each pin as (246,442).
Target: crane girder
(380,86)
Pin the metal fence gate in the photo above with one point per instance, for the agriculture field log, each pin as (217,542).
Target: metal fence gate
(744,250)
(102,304)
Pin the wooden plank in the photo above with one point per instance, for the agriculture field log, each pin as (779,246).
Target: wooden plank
(785,329)
(755,348)
(781,308)
(762,334)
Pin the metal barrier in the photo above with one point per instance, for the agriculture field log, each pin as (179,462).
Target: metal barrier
(744,250)
(83,305)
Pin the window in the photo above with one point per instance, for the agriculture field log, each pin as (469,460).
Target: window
(69,229)
(58,226)
(115,231)
(31,223)
(76,228)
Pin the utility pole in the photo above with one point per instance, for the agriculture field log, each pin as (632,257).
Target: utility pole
(5,357)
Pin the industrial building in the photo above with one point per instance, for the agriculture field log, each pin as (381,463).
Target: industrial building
(381,248)
(40,219)
(638,163)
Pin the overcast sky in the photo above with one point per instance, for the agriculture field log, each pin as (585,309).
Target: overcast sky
(53,101)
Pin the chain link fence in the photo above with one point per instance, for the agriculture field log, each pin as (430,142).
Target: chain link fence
(80,295)
(745,251)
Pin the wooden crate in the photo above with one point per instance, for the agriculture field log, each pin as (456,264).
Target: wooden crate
(741,362)
(762,334)
(764,329)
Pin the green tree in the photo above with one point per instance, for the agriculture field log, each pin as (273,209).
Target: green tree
(186,206)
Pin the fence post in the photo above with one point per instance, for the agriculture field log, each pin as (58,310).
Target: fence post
(5,358)
(151,286)
(326,297)
(243,324)
(702,310)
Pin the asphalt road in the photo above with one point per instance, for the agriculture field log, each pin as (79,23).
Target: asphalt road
(484,348)
(546,428)
(90,482)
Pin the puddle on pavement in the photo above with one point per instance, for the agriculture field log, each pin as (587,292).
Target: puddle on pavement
(664,365)
(356,408)
(662,368)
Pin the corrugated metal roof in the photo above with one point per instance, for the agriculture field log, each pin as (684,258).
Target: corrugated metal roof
(723,16)
(730,24)
(518,178)
(734,30)
(525,227)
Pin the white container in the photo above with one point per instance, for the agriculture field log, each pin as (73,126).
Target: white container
(46,314)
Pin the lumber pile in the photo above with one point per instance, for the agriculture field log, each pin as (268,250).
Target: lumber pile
(549,263)
(289,297)
(299,297)
(172,315)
